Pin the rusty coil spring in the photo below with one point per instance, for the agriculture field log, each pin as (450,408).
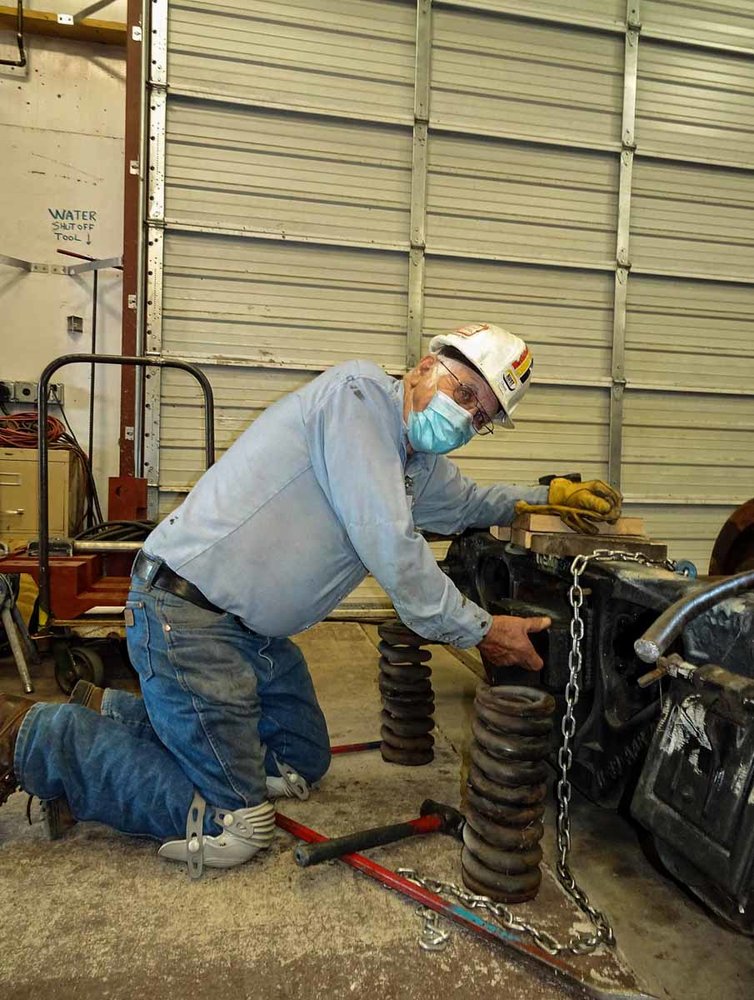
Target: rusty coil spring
(512,729)
(407,698)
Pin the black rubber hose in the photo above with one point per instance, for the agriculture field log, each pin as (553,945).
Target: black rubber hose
(657,639)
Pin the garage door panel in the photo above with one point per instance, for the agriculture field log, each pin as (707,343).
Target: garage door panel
(723,22)
(688,445)
(334,55)
(695,104)
(688,531)
(692,219)
(512,200)
(565,315)
(690,333)
(237,169)
(281,303)
(501,75)
(603,12)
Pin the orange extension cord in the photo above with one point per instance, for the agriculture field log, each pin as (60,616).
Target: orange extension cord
(19,430)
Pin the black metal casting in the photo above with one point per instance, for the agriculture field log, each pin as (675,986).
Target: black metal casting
(696,787)
(697,801)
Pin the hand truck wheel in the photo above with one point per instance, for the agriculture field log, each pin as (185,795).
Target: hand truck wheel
(75,663)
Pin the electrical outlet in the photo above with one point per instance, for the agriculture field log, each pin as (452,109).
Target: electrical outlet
(26,392)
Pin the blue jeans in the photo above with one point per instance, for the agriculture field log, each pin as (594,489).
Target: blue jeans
(214,696)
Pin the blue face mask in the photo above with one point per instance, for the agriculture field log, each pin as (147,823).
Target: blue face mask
(442,426)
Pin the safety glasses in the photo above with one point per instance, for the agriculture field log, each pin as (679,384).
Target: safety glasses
(466,396)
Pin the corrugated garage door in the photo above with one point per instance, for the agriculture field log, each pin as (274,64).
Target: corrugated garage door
(344,178)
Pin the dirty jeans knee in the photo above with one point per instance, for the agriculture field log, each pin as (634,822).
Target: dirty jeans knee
(199,693)
(292,725)
(309,757)
(216,692)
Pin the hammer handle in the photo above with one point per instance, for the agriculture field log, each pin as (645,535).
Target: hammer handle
(315,854)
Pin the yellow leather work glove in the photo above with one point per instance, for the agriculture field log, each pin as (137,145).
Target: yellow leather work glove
(579,505)
(594,496)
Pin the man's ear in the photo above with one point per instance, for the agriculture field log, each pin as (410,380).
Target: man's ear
(426,364)
(421,368)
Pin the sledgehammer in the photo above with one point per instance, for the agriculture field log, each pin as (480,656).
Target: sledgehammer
(434,817)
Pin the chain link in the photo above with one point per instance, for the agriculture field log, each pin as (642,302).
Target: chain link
(580,943)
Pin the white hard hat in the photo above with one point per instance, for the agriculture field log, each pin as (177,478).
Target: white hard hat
(502,358)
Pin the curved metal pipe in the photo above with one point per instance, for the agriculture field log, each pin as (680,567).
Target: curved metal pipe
(43,445)
(21,61)
(659,636)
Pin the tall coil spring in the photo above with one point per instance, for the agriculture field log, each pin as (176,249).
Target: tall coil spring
(512,728)
(407,697)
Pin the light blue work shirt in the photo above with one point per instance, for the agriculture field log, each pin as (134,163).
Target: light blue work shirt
(318,492)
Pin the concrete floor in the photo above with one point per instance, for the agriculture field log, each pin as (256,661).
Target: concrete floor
(99,915)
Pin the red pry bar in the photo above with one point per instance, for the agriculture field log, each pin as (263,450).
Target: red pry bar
(459,914)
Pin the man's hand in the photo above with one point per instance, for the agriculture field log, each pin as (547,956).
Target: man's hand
(579,505)
(507,643)
(594,496)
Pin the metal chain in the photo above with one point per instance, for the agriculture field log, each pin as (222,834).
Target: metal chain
(502,914)
(579,943)
(603,929)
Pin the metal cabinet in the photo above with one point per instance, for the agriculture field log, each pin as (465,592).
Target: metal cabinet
(19,507)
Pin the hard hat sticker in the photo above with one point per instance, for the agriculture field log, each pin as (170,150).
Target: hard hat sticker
(523,362)
(471,328)
(510,379)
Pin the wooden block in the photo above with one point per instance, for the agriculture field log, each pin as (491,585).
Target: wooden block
(566,546)
(501,531)
(552,524)
(521,537)
(569,544)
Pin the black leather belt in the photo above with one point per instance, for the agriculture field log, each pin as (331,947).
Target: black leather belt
(165,579)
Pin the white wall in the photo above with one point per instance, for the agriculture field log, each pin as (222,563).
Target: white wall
(61,147)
